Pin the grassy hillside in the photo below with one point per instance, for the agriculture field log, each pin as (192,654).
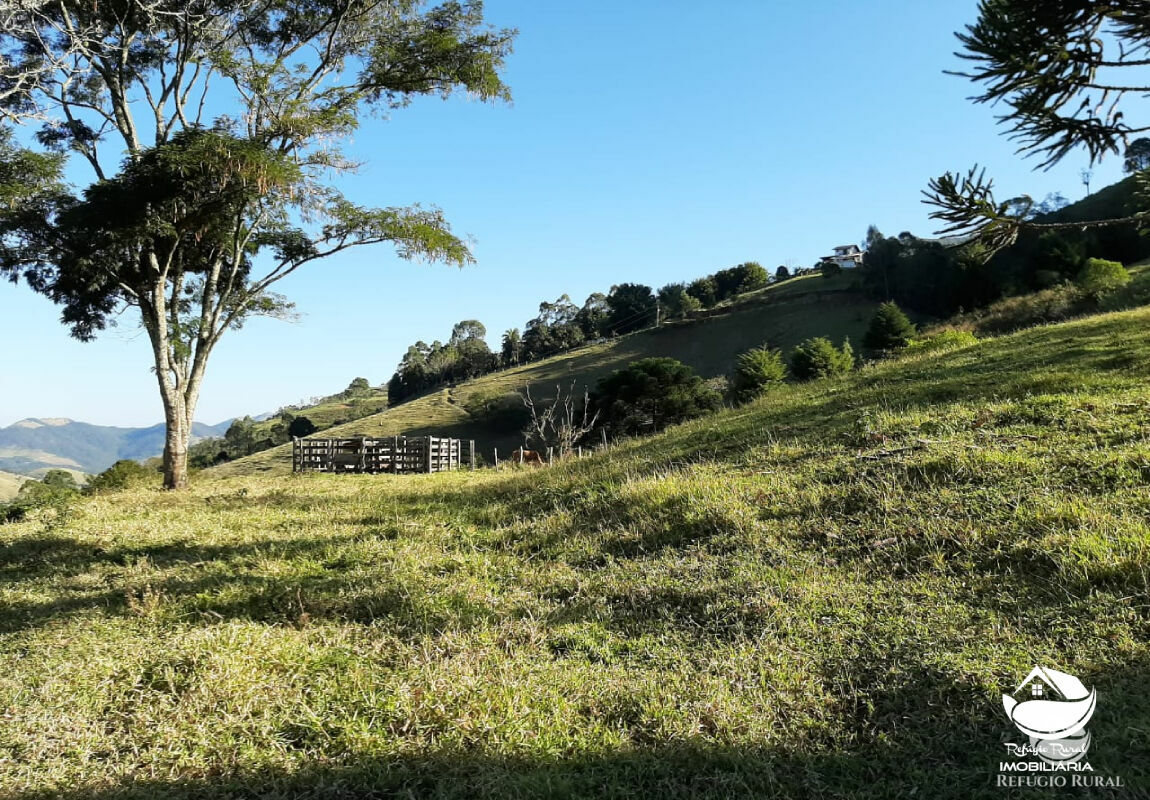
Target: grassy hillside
(823,594)
(781,315)
(9,485)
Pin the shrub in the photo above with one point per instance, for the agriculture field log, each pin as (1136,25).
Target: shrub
(705,290)
(1099,277)
(889,329)
(651,394)
(755,370)
(54,495)
(819,358)
(301,426)
(121,475)
(943,340)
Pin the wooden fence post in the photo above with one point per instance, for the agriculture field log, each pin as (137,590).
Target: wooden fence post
(603,434)
(548,456)
(497,458)
(521,456)
(471,454)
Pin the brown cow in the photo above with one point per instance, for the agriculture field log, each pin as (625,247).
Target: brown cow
(526,457)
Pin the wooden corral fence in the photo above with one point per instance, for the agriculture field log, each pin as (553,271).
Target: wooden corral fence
(395,454)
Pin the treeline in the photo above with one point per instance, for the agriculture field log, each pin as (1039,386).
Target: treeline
(940,278)
(562,325)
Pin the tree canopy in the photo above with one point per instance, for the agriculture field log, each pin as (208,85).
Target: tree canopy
(192,219)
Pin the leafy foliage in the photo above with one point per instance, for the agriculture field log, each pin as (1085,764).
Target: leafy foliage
(1099,277)
(676,302)
(889,329)
(632,308)
(651,394)
(300,427)
(204,216)
(755,370)
(121,475)
(819,358)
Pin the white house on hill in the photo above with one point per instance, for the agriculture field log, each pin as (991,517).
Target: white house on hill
(847,256)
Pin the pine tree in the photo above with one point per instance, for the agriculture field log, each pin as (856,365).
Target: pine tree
(889,329)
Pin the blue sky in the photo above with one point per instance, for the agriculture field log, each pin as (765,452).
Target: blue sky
(648,141)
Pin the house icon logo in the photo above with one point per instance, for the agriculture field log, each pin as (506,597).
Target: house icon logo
(1052,709)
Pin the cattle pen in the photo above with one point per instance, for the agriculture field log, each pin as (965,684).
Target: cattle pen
(388,454)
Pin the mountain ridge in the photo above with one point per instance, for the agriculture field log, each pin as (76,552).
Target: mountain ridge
(35,444)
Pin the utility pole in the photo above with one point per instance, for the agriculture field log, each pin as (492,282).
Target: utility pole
(658,312)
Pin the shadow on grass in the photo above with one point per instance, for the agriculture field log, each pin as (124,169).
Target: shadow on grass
(927,735)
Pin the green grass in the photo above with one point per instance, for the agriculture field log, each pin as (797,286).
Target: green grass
(781,315)
(822,594)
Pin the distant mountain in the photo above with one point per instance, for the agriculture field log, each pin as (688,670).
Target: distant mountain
(33,445)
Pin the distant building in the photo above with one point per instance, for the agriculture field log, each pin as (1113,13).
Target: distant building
(847,256)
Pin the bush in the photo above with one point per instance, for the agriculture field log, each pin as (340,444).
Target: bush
(889,329)
(54,495)
(300,427)
(121,475)
(755,370)
(1099,277)
(651,394)
(943,340)
(819,358)
(705,290)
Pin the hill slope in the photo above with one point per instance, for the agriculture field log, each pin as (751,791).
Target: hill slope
(782,315)
(9,485)
(33,446)
(823,594)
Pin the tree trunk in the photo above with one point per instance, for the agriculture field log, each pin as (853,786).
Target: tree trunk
(175,448)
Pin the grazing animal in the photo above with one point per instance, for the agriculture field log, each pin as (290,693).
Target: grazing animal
(531,457)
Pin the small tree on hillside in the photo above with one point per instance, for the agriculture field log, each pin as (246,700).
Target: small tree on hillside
(60,479)
(755,370)
(676,302)
(651,394)
(632,307)
(357,388)
(704,290)
(819,358)
(889,329)
(300,427)
(782,273)
(1100,277)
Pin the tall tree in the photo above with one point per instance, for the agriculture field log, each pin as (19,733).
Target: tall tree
(512,347)
(632,307)
(1062,69)
(204,215)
